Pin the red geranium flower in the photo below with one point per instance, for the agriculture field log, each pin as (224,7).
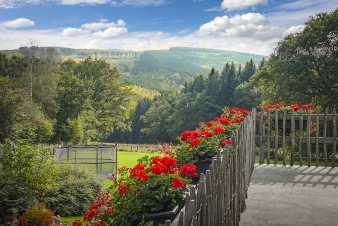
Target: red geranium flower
(188,170)
(139,173)
(296,106)
(225,121)
(238,120)
(219,129)
(209,124)
(158,169)
(123,189)
(227,141)
(178,183)
(108,210)
(194,142)
(169,161)
(77,223)
(307,106)
(207,133)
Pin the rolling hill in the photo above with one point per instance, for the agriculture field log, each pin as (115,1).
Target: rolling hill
(158,69)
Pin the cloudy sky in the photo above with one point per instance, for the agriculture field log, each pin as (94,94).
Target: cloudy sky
(253,26)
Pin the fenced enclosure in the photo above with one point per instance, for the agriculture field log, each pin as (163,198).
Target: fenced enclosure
(297,138)
(101,159)
(219,197)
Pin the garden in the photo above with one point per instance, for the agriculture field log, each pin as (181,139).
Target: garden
(34,188)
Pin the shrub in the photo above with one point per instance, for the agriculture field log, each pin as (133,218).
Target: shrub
(15,197)
(31,164)
(38,215)
(73,194)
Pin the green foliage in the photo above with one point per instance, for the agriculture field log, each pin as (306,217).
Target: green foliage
(30,163)
(92,102)
(73,194)
(304,66)
(15,197)
(203,98)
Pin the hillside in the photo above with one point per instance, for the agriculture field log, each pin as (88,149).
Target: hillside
(159,69)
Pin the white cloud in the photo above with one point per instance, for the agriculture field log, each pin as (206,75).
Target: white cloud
(111,32)
(18,23)
(70,31)
(299,11)
(99,29)
(116,3)
(294,30)
(240,4)
(116,36)
(102,24)
(252,25)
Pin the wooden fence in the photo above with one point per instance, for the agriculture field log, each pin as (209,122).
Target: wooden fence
(219,197)
(297,138)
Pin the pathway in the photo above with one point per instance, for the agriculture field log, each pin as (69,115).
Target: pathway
(292,196)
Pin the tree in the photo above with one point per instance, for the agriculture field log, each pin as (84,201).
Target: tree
(304,66)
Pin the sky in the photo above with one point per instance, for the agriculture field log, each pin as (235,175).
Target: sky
(253,26)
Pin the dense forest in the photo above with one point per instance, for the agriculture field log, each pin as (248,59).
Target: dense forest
(48,99)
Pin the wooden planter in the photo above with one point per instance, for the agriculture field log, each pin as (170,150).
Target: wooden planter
(203,165)
(288,124)
(158,218)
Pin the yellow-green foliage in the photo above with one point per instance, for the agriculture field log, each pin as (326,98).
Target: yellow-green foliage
(143,92)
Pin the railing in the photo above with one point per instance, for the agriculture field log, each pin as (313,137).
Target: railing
(297,138)
(219,197)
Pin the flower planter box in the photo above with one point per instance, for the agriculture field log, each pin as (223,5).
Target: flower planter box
(288,124)
(158,218)
(203,165)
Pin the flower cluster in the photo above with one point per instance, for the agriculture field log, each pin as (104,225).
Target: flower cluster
(295,107)
(205,141)
(95,210)
(134,189)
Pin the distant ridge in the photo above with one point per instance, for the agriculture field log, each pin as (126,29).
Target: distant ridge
(166,69)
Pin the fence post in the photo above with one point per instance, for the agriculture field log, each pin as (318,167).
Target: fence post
(97,160)
(335,135)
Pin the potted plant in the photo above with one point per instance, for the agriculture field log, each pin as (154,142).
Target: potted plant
(153,190)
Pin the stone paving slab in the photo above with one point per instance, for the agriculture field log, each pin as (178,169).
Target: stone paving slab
(292,196)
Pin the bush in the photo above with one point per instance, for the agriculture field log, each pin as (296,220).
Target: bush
(15,198)
(31,164)
(38,215)
(74,192)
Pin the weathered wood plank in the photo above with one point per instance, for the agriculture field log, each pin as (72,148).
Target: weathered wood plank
(335,134)
(261,128)
(284,139)
(276,137)
(293,141)
(269,135)
(309,157)
(317,143)
(300,149)
(325,134)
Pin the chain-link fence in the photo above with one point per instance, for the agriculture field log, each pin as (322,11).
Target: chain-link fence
(101,159)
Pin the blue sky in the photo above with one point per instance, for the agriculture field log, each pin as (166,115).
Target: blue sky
(241,25)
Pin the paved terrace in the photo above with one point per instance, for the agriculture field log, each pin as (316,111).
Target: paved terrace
(297,196)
